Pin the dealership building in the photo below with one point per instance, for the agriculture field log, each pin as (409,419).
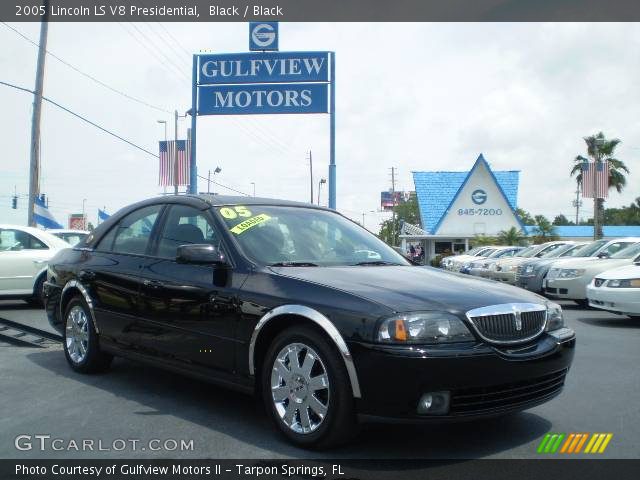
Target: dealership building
(456,207)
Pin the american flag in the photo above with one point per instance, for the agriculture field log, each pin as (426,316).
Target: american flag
(167,155)
(601,172)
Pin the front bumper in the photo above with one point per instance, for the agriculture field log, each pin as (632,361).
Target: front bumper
(620,300)
(531,282)
(505,276)
(482,380)
(567,288)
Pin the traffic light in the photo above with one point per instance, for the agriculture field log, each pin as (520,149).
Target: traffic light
(14,202)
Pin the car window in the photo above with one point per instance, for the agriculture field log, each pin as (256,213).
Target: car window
(14,240)
(549,249)
(185,226)
(273,234)
(629,252)
(616,247)
(71,238)
(132,233)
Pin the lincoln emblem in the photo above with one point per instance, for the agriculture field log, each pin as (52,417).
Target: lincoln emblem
(518,320)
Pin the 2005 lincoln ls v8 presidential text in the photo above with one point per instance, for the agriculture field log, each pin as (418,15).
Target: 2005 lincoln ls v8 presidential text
(307,309)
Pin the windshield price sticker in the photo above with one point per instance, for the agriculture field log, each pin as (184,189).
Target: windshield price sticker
(251,222)
(235,212)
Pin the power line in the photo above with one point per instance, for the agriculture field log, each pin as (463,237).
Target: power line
(178,69)
(84,119)
(224,186)
(87,75)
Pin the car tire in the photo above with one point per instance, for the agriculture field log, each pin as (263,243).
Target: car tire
(37,299)
(80,341)
(584,303)
(312,405)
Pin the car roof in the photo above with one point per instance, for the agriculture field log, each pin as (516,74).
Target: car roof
(51,240)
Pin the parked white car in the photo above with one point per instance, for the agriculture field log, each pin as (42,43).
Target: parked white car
(72,237)
(617,290)
(24,253)
(569,280)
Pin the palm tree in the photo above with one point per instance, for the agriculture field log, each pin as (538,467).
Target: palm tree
(513,236)
(544,230)
(600,149)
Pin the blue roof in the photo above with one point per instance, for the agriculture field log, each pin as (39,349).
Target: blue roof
(436,191)
(575,231)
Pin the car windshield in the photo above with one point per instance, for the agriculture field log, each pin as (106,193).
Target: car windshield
(530,252)
(629,252)
(586,250)
(306,237)
(71,237)
(558,251)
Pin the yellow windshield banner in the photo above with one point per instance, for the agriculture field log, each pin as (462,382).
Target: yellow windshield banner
(251,222)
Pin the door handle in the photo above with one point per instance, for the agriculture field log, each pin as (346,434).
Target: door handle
(153,284)
(85,275)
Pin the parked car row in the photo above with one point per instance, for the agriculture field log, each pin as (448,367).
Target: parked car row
(602,274)
(24,253)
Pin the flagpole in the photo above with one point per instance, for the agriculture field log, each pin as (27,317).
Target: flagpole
(175,156)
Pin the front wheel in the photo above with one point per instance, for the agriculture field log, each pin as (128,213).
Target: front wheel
(81,346)
(306,389)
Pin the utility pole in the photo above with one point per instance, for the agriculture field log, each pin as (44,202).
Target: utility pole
(175,154)
(311,174)
(393,199)
(34,162)
(577,203)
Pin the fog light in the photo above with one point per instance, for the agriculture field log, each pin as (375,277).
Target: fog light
(434,403)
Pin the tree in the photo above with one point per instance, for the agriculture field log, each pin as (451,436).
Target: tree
(562,220)
(405,212)
(543,230)
(482,240)
(599,149)
(513,236)
(525,216)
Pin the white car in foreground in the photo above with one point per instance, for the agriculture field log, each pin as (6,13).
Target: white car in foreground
(24,253)
(617,290)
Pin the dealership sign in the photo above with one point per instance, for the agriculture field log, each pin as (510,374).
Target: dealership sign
(265,82)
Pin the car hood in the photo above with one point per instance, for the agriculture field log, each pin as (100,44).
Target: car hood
(581,262)
(621,273)
(411,288)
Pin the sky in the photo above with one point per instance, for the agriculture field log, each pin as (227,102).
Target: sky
(411,96)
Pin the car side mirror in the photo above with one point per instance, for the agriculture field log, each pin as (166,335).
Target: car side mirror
(200,254)
(603,255)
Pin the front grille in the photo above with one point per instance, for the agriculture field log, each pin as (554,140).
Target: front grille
(509,323)
(471,401)
(598,282)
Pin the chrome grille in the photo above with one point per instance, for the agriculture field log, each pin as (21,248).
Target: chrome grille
(509,323)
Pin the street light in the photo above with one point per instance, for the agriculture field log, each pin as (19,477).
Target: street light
(217,170)
(254,188)
(322,180)
(84,218)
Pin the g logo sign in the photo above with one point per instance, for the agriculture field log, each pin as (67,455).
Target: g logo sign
(479,196)
(264,36)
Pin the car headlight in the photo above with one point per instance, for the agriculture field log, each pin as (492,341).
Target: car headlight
(513,268)
(528,269)
(424,327)
(466,265)
(555,320)
(626,283)
(571,272)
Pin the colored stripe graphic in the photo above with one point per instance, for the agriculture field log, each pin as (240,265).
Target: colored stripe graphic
(573,443)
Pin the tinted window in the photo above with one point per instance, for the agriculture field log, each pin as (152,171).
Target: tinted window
(273,234)
(13,240)
(184,226)
(616,247)
(132,234)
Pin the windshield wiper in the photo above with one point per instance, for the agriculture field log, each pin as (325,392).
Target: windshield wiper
(293,264)
(375,262)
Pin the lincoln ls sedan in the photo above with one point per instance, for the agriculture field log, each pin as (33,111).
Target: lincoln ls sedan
(303,307)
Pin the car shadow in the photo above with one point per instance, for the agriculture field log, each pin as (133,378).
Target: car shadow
(17,305)
(611,322)
(243,418)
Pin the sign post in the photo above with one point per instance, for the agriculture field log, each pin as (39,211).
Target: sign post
(259,83)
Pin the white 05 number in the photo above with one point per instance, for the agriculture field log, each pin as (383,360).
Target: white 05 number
(235,212)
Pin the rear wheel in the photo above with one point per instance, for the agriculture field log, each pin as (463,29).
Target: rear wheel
(37,299)
(306,389)
(81,345)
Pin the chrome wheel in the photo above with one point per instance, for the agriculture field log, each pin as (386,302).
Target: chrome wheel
(300,388)
(77,334)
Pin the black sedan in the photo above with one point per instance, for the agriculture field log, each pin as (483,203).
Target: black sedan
(302,306)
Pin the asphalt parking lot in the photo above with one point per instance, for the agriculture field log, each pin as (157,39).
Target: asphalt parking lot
(41,395)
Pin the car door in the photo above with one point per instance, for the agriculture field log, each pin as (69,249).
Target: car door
(113,273)
(22,257)
(190,311)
